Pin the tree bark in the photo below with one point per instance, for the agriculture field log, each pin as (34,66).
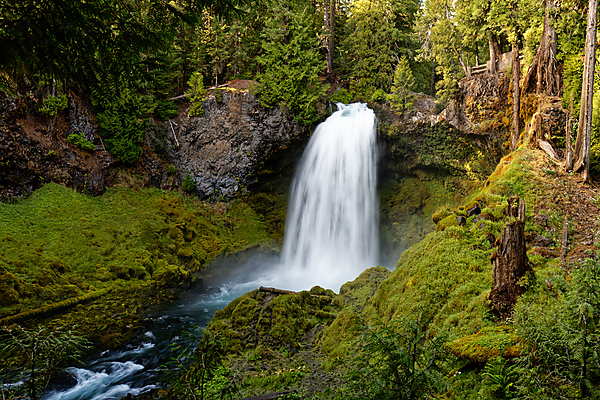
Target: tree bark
(510,261)
(543,72)
(584,129)
(569,139)
(516,106)
(493,55)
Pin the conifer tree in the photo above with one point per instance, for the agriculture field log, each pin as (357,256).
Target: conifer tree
(291,61)
(404,81)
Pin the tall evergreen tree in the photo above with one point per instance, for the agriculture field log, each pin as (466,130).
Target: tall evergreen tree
(291,61)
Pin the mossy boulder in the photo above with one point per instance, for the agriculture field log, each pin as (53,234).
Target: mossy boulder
(275,320)
(488,343)
(450,220)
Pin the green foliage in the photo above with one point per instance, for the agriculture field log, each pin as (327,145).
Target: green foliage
(499,376)
(196,94)
(166,109)
(378,96)
(341,95)
(37,354)
(564,334)
(398,361)
(404,82)
(122,126)
(375,36)
(187,184)
(291,62)
(77,139)
(52,105)
(198,369)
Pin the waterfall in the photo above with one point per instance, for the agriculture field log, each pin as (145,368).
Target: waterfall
(331,232)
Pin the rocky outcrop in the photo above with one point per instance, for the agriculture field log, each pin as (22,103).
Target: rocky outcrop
(222,149)
(31,155)
(481,107)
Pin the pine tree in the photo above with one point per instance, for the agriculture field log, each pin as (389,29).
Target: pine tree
(404,81)
(291,61)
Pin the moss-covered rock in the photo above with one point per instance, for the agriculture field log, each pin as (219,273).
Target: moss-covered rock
(489,343)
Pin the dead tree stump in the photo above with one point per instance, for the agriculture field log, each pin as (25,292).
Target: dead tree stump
(510,261)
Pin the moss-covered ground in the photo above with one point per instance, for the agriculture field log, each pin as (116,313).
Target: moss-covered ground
(86,259)
(443,282)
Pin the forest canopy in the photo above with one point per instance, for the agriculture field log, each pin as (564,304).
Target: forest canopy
(132,57)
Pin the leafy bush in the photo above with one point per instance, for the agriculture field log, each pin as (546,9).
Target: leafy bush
(52,105)
(197,369)
(188,184)
(398,361)
(166,109)
(564,333)
(378,96)
(341,95)
(77,139)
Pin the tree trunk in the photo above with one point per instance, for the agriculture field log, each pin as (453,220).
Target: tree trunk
(569,139)
(516,77)
(432,87)
(543,73)
(584,129)
(510,261)
(493,55)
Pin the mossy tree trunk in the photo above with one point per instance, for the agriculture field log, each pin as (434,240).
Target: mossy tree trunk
(583,143)
(510,261)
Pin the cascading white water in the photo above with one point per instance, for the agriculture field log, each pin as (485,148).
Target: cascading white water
(331,231)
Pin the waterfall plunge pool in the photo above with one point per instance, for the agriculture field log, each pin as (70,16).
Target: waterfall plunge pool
(331,236)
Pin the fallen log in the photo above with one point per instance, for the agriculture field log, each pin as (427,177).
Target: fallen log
(275,290)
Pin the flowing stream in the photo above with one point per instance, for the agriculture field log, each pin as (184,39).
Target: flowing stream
(330,238)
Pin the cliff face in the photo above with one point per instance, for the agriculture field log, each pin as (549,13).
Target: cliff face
(220,150)
(34,150)
(223,148)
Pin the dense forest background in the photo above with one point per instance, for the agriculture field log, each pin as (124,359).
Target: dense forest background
(131,58)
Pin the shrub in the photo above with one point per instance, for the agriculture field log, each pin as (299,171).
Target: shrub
(52,105)
(196,94)
(77,139)
(398,361)
(188,184)
(39,352)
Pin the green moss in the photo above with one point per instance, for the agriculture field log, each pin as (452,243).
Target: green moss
(490,342)
(58,246)
(449,221)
